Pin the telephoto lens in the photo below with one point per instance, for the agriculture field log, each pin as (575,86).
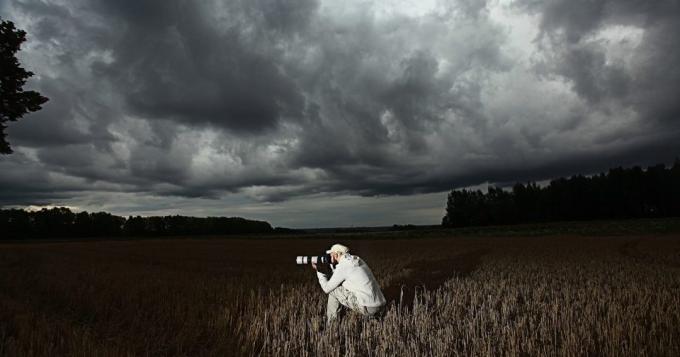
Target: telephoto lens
(316,259)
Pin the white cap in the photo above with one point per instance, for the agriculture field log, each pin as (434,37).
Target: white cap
(338,248)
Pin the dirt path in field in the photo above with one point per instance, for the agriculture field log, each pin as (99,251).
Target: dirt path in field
(431,274)
(631,249)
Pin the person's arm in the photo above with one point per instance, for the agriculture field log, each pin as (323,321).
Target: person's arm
(328,285)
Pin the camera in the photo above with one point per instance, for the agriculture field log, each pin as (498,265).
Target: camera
(316,259)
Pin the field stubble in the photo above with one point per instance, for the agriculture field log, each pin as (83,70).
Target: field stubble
(559,295)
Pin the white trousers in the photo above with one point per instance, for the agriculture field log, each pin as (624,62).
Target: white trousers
(342,297)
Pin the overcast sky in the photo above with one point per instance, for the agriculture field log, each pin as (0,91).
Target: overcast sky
(333,113)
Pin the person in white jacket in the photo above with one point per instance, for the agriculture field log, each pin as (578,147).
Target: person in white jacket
(352,285)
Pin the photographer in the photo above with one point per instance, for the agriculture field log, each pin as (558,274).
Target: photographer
(352,285)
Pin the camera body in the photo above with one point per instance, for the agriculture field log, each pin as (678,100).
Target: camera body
(316,259)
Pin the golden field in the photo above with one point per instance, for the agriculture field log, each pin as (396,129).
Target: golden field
(560,295)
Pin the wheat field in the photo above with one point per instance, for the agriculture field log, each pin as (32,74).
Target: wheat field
(470,296)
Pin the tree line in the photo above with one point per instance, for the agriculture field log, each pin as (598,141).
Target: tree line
(61,222)
(620,193)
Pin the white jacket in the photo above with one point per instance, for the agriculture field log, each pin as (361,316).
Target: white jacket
(354,275)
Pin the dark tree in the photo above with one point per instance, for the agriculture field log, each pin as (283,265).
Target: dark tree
(60,222)
(14,101)
(618,194)
(134,226)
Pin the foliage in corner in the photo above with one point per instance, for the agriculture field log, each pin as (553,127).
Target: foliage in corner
(14,101)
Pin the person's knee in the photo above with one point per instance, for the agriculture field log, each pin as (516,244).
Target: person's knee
(338,292)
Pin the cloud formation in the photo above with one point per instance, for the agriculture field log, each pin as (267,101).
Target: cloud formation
(272,101)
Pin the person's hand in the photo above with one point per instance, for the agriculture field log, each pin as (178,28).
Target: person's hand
(324,269)
(314,266)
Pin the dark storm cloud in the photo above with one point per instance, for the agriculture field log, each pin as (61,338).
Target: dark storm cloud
(649,85)
(175,62)
(578,18)
(278,99)
(658,83)
(379,97)
(23,182)
(592,78)
(161,63)
(51,126)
